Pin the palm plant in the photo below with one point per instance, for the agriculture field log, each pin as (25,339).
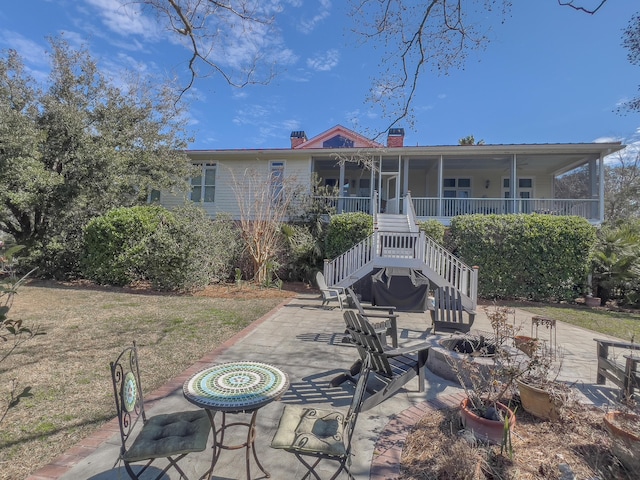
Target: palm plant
(616,262)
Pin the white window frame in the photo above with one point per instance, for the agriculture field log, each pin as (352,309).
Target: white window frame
(200,183)
(276,177)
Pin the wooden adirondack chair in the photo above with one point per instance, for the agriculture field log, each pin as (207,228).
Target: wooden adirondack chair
(389,326)
(447,313)
(392,367)
(330,293)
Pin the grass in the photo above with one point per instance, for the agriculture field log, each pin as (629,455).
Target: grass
(619,324)
(67,369)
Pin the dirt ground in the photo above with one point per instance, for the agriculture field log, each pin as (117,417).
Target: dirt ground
(577,444)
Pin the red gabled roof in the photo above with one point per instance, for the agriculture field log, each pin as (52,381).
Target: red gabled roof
(358,140)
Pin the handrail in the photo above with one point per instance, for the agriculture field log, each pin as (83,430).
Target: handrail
(404,245)
(411,213)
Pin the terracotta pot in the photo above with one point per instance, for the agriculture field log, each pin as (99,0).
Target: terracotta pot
(491,431)
(592,301)
(539,402)
(528,345)
(625,443)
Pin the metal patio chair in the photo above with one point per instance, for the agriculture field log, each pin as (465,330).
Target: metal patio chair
(170,436)
(321,434)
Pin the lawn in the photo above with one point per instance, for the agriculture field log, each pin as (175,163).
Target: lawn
(67,369)
(621,324)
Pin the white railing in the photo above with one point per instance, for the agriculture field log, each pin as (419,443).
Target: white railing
(448,267)
(348,264)
(345,204)
(450,207)
(402,245)
(410,212)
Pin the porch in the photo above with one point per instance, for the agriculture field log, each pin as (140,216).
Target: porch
(560,179)
(443,209)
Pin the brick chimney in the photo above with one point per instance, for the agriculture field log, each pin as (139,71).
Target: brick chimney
(298,138)
(395,138)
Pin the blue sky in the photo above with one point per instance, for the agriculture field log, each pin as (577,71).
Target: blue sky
(549,75)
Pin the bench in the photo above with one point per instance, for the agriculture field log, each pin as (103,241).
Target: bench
(626,376)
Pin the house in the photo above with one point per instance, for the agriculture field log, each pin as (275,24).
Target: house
(401,184)
(444,181)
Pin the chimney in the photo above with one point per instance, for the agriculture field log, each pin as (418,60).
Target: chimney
(395,138)
(298,138)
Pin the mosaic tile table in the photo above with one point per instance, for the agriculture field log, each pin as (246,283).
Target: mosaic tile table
(231,388)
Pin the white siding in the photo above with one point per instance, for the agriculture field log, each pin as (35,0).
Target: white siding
(225,197)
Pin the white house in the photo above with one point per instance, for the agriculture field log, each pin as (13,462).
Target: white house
(443,181)
(404,184)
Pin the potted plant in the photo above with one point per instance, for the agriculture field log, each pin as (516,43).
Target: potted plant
(541,394)
(623,427)
(483,410)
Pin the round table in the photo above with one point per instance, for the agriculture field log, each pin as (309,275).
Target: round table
(235,387)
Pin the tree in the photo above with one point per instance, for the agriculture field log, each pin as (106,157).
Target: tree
(622,188)
(265,201)
(631,41)
(210,27)
(77,146)
(470,140)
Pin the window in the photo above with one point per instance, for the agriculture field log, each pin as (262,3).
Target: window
(456,187)
(203,187)
(276,172)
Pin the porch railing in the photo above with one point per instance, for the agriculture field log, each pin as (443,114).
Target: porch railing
(450,207)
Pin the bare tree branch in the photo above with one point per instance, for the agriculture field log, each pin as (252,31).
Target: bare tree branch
(437,34)
(570,4)
(227,37)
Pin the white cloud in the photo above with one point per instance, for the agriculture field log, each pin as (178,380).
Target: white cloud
(264,120)
(307,25)
(125,18)
(32,52)
(324,62)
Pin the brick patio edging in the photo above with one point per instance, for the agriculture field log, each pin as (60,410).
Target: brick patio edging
(388,448)
(85,447)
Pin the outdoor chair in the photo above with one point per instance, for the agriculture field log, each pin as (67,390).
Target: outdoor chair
(447,312)
(321,434)
(330,293)
(392,367)
(390,323)
(169,436)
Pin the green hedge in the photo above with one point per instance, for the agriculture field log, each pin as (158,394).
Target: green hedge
(433,229)
(114,244)
(536,257)
(181,249)
(346,230)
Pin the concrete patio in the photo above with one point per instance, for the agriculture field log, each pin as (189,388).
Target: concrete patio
(305,340)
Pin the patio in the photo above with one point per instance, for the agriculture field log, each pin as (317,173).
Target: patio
(305,340)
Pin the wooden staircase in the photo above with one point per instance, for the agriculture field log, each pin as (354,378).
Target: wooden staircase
(397,242)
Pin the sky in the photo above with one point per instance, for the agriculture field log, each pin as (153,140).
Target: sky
(549,74)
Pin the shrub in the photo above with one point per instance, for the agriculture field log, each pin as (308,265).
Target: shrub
(188,250)
(174,250)
(114,243)
(538,257)
(345,231)
(304,252)
(434,229)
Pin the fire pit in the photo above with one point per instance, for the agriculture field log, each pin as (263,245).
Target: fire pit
(450,351)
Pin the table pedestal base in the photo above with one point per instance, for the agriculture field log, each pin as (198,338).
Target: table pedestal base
(248,445)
